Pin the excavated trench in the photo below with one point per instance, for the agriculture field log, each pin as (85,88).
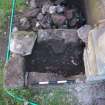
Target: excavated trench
(59,50)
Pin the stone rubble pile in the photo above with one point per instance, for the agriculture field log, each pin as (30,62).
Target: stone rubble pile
(45,14)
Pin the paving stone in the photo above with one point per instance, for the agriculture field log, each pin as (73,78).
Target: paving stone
(14,72)
(22,42)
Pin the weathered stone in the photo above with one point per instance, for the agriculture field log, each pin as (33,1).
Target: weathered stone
(37,24)
(31,13)
(58,51)
(45,8)
(62,16)
(58,2)
(46,22)
(58,19)
(87,93)
(69,13)
(22,42)
(101,47)
(15,29)
(52,9)
(17,18)
(37,3)
(95,11)
(24,24)
(60,9)
(83,33)
(39,77)
(73,23)
(42,77)
(100,101)
(40,16)
(14,76)
(95,53)
(33,4)
(33,23)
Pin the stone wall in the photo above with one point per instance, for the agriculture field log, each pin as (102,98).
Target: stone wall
(95,10)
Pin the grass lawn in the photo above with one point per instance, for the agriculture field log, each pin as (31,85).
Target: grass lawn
(49,95)
(5,10)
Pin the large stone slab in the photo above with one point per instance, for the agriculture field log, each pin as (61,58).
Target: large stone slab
(14,73)
(59,51)
(22,42)
(94,11)
(94,54)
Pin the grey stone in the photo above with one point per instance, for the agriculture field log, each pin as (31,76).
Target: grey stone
(52,9)
(24,24)
(15,29)
(60,9)
(58,51)
(58,1)
(45,8)
(31,12)
(91,93)
(46,22)
(14,72)
(37,24)
(73,22)
(40,16)
(33,4)
(58,19)
(22,42)
(83,33)
(94,55)
(69,13)
(100,101)
(33,22)
(37,3)
(39,77)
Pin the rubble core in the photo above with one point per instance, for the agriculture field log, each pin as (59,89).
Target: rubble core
(54,14)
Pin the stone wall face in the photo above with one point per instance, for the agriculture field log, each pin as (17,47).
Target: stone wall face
(95,10)
(14,74)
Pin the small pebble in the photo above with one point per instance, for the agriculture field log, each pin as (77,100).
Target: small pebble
(60,9)
(52,9)
(15,29)
(23,20)
(37,24)
(45,8)
(40,16)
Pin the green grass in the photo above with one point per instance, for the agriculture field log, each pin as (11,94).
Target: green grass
(42,96)
(5,10)
(6,5)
